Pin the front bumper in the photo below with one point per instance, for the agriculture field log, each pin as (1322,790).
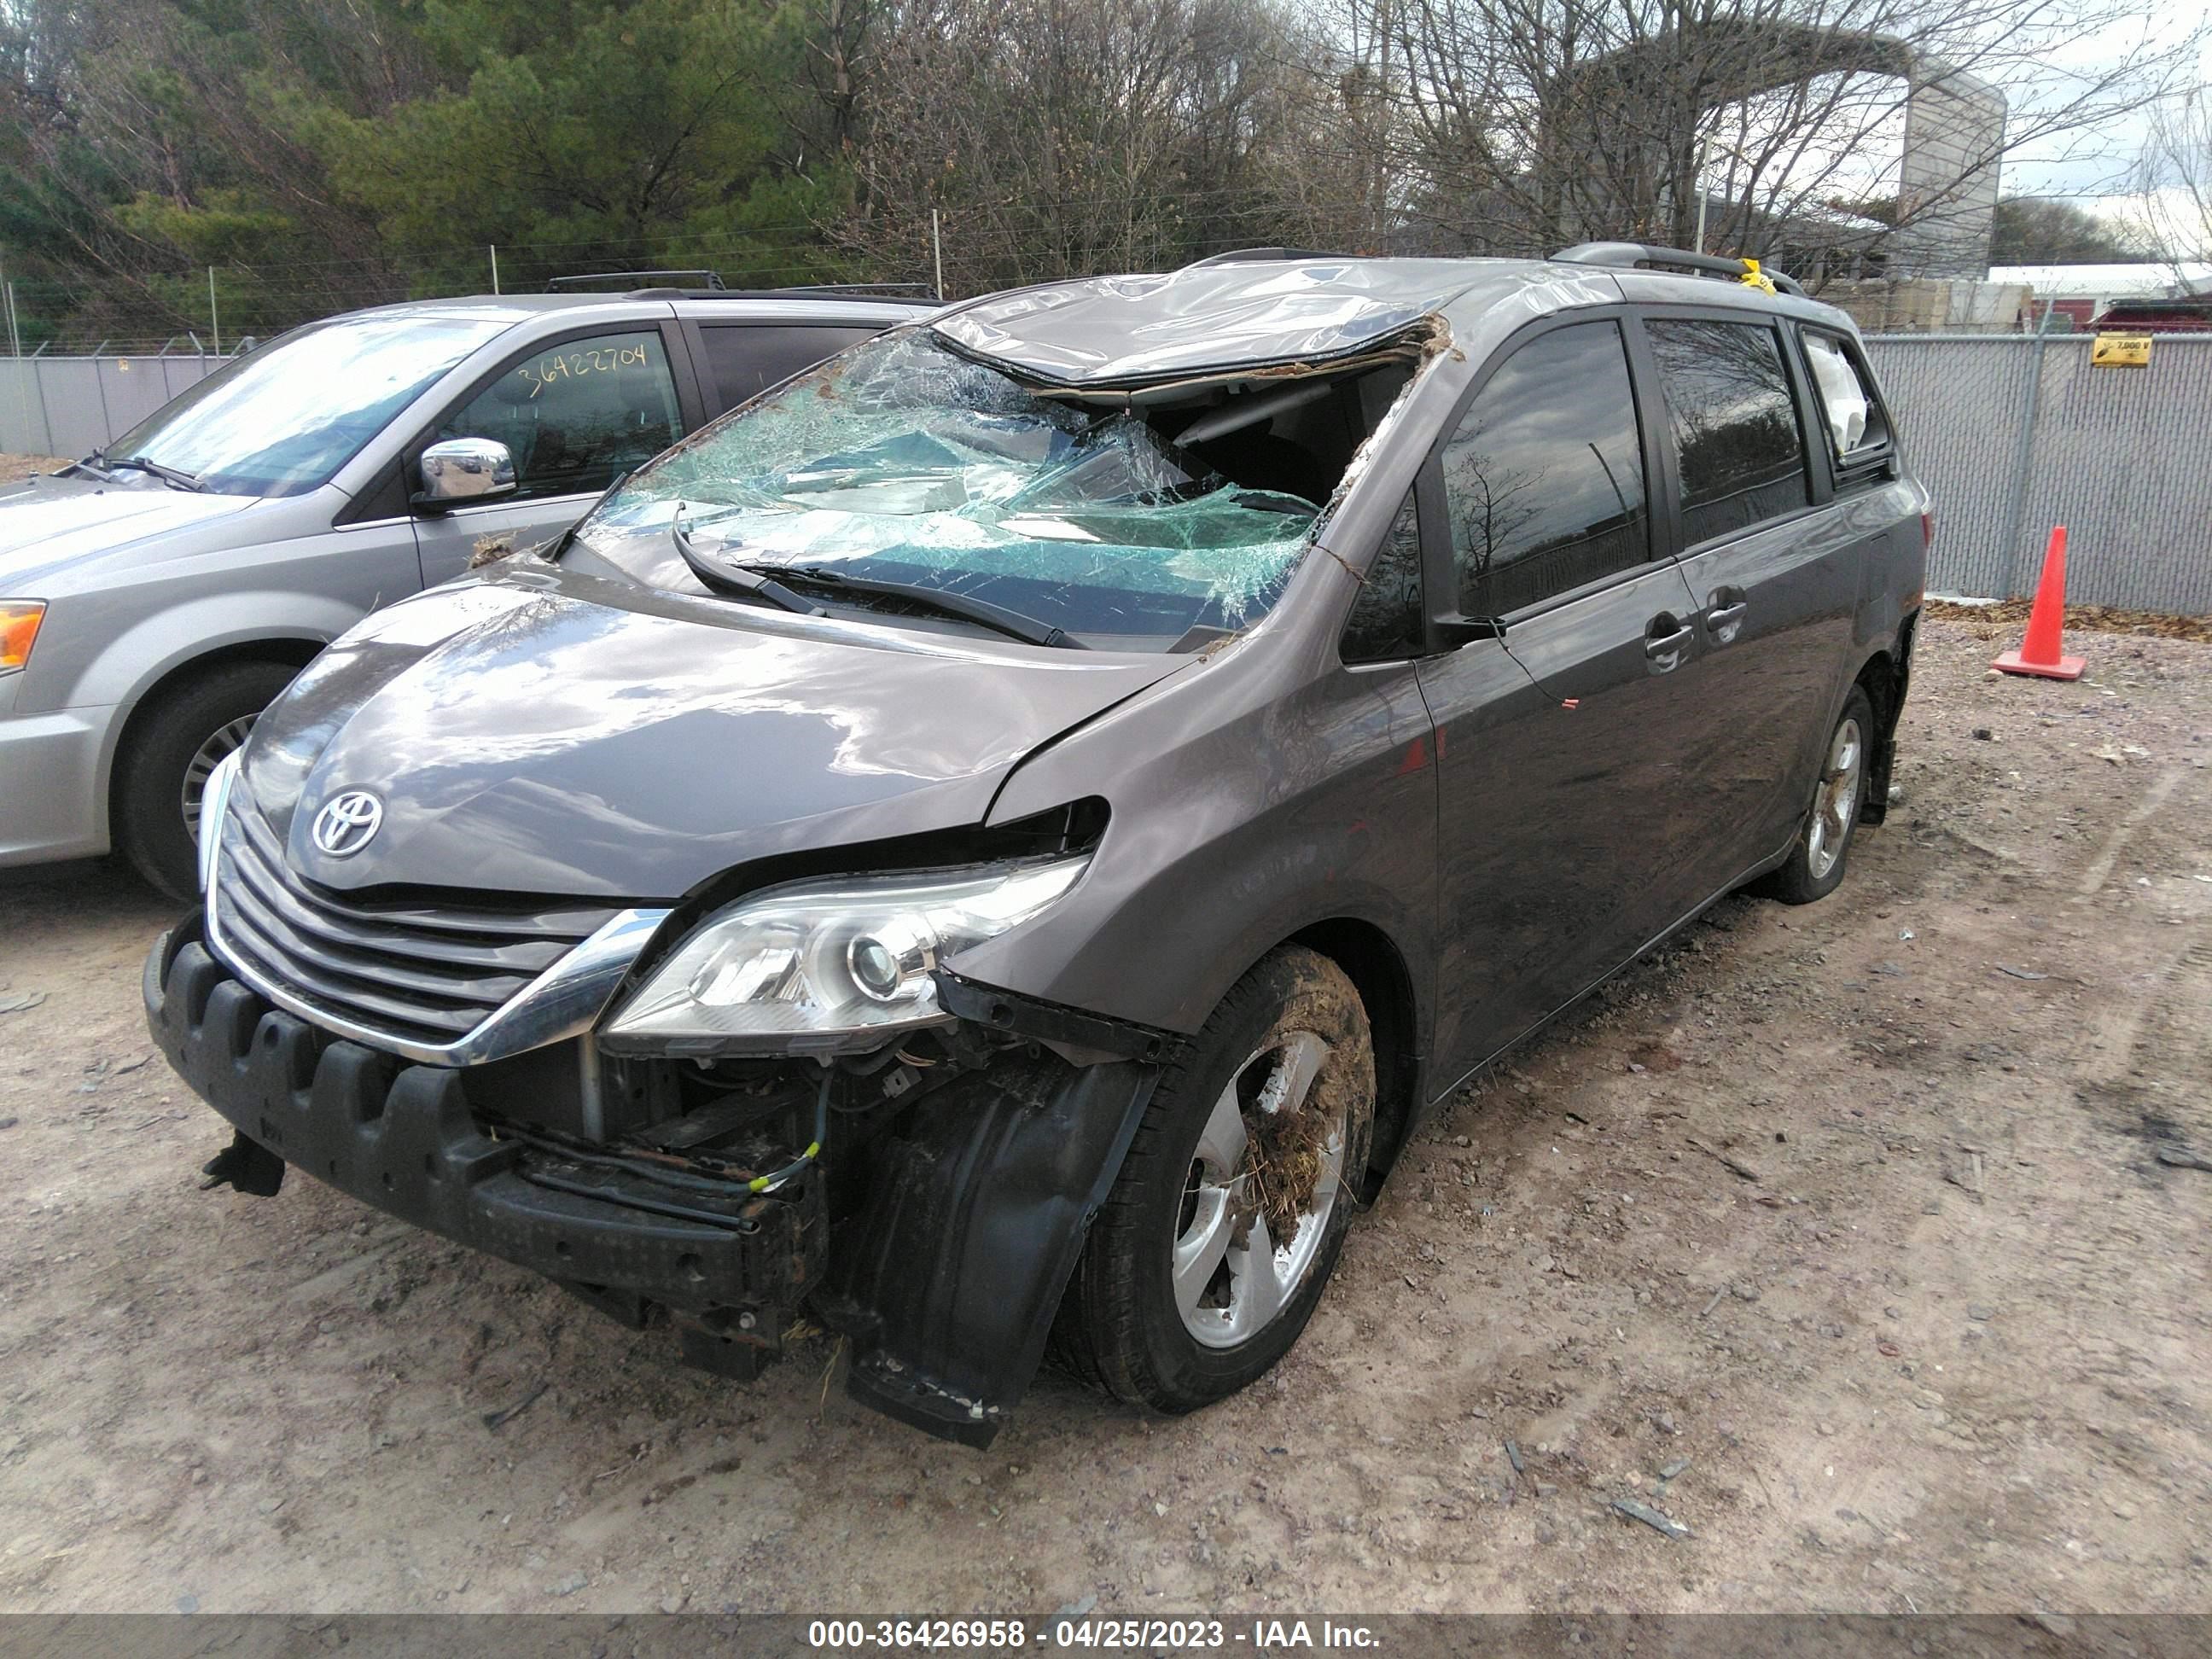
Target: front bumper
(50,795)
(407,1139)
(943,1270)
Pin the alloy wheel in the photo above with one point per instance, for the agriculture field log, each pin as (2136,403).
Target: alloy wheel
(226,739)
(1271,1146)
(1836,802)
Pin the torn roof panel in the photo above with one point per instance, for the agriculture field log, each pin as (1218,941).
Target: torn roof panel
(1111,330)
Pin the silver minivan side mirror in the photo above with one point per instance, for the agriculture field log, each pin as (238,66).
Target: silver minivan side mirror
(463,470)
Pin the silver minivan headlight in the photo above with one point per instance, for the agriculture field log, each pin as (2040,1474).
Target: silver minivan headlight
(821,967)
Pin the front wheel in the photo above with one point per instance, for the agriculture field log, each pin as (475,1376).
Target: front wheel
(162,771)
(1814,867)
(1212,1251)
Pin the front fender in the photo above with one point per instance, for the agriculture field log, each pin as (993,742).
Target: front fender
(149,651)
(947,1274)
(143,658)
(1224,840)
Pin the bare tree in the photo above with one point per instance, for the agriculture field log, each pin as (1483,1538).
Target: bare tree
(1521,124)
(1058,137)
(2172,182)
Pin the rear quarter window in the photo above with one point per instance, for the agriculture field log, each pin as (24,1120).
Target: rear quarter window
(1852,414)
(747,358)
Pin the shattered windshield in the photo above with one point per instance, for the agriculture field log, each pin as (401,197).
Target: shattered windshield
(901,461)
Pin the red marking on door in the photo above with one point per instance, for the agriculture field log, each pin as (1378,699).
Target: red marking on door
(1416,757)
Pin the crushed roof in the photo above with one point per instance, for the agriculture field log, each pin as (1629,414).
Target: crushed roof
(1107,330)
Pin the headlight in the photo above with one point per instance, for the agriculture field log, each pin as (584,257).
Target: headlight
(824,966)
(215,803)
(19,630)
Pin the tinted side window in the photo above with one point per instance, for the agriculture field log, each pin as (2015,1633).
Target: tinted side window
(1386,618)
(1544,478)
(1734,422)
(746,358)
(577,415)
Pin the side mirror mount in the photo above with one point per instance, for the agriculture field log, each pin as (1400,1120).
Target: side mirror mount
(461,470)
(1456,630)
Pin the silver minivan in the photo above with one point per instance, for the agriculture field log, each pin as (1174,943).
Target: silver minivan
(157,595)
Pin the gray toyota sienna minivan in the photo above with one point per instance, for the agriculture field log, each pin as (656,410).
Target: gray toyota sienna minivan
(998,843)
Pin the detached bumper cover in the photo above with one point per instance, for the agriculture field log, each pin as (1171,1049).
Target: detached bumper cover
(403,1139)
(947,1278)
(944,1270)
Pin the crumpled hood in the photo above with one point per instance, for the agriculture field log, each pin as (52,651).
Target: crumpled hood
(47,522)
(554,734)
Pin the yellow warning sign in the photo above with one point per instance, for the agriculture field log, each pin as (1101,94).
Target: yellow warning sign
(2121,351)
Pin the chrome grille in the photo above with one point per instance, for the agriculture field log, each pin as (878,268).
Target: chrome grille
(423,977)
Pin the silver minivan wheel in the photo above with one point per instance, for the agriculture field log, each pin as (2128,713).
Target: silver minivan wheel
(174,742)
(225,740)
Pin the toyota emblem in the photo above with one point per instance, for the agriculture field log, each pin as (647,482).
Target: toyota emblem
(347,823)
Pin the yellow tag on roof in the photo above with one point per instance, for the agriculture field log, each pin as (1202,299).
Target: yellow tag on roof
(1754,278)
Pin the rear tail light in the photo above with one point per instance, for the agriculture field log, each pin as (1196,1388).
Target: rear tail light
(1927,531)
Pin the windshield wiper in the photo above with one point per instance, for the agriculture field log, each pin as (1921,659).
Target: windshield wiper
(942,600)
(552,550)
(171,475)
(737,577)
(740,576)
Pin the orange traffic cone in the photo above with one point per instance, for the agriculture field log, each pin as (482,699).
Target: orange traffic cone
(2038,651)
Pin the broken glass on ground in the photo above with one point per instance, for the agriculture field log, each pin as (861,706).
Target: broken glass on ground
(906,457)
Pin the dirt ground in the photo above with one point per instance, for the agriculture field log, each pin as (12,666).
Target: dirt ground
(1851,1217)
(13,467)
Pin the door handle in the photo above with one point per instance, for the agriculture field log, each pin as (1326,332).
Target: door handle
(1664,651)
(1724,613)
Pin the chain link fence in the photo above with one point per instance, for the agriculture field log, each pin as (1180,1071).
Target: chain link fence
(2012,434)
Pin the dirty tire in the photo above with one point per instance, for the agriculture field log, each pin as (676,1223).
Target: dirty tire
(1798,881)
(1120,1328)
(149,772)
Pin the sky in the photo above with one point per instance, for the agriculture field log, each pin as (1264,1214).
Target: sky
(2090,168)
(2092,174)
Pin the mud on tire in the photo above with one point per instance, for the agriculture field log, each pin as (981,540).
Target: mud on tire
(1121,1326)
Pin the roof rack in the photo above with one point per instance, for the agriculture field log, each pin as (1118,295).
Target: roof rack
(1631,254)
(707,279)
(1255,255)
(715,288)
(922,292)
(886,293)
